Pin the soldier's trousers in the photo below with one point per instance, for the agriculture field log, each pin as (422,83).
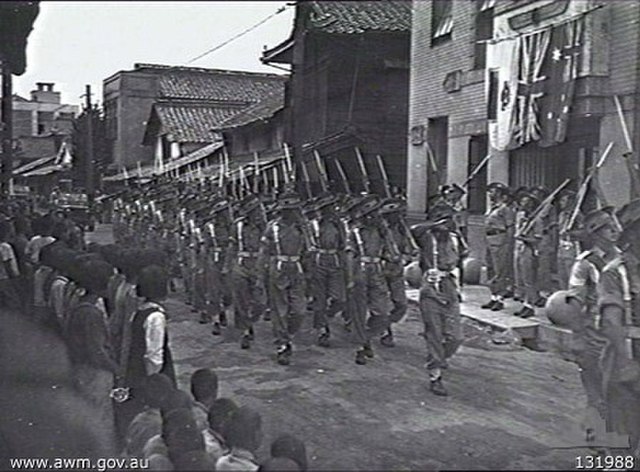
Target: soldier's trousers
(287,289)
(587,346)
(546,265)
(394,275)
(566,258)
(440,311)
(526,273)
(500,263)
(327,282)
(218,293)
(369,302)
(200,289)
(249,298)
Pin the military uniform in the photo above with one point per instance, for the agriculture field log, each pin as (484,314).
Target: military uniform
(526,258)
(218,291)
(400,248)
(249,297)
(282,247)
(439,296)
(370,300)
(499,227)
(327,269)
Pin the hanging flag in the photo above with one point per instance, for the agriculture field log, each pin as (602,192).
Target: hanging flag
(502,60)
(561,67)
(531,87)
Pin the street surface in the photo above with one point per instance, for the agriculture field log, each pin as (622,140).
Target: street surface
(508,407)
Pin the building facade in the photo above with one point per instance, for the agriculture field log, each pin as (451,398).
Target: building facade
(159,112)
(349,86)
(532,83)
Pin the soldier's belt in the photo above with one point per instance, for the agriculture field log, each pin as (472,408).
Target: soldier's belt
(287,258)
(329,252)
(370,260)
(247,254)
(494,232)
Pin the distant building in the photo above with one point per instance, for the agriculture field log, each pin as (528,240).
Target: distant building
(530,82)
(41,124)
(163,112)
(349,86)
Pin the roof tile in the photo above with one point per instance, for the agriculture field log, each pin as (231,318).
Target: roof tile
(192,123)
(352,17)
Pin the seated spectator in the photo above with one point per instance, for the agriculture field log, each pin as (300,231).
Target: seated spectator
(243,433)
(221,410)
(148,423)
(278,464)
(204,388)
(290,447)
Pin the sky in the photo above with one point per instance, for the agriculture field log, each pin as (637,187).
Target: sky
(78,43)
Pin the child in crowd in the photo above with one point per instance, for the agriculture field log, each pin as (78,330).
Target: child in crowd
(243,433)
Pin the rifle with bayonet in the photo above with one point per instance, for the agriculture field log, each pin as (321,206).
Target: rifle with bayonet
(363,171)
(541,210)
(322,171)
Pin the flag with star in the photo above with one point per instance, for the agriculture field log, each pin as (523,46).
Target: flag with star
(561,67)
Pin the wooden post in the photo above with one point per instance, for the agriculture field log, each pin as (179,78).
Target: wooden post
(89,185)
(7,128)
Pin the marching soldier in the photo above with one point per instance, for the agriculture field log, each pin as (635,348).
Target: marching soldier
(282,247)
(499,228)
(619,310)
(439,302)
(403,248)
(369,298)
(327,274)
(217,233)
(598,237)
(249,298)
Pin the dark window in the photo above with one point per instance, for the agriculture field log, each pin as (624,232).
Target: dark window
(436,154)
(41,128)
(484,32)
(492,99)
(441,21)
(477,189)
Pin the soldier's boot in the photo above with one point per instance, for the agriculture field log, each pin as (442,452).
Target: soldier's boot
(283,354)
(437,388)
(497,305)
(361,358)
(216,330)
(541,301)
(526,312)
(250,333)
(386,339)
(367,350)
(488,305)
(323,337)
(245,341)
(204,318)
(222,319)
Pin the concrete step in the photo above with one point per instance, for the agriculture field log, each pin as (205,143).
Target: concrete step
(537,331)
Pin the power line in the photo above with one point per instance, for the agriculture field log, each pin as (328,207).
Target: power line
(233,38)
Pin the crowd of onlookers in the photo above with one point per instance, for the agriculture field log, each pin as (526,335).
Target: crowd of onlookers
(106,302)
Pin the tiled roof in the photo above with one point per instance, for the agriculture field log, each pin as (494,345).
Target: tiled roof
(361,16)
(193,157)
(217,85)
(262,110)
(192,123)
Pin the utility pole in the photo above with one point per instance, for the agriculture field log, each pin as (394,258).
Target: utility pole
(7,128)
(89,185)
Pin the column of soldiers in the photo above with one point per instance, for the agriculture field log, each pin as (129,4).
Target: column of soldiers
(258,254)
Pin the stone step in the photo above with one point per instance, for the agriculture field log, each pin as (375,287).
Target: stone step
(536,331)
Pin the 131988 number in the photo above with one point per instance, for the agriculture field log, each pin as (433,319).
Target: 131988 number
(605,462)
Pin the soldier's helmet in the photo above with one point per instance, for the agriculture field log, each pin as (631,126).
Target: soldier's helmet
(563,309)
(393,205)
(365,206)
(451,190)
(248,204)
(325,200)
(289,201)
(440,214)
(598,219)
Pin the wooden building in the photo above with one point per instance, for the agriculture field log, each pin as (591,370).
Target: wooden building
(349,85)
